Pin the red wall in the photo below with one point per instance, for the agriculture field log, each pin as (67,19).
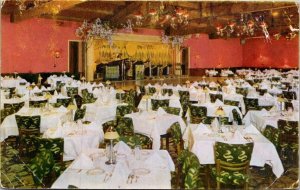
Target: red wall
(280,53)
(28,46)
(217,53)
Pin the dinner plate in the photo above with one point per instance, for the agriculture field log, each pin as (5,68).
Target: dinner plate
(141,171)
(96,171)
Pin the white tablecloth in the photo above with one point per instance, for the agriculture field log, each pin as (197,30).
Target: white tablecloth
(49,119)
(77,137)
(11,82)
(159,177)
(153,125)
(264,152)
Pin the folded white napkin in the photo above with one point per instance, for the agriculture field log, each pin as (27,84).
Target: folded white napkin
(83,162)
(55,93)
(250,130)
(62,109)
(215,124)
(155,160)
(43,88)
(267,95)
(160,111)
(122,148)
(212,84)
(238,137)
(120,174)
(219,103)
(202,129)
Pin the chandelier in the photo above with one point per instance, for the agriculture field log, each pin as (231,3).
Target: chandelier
(96,29)
(173,40)
(172,16)
(246,25)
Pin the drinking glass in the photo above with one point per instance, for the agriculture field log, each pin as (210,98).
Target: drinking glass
(137,152)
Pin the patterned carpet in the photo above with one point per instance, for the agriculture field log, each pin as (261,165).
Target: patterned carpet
(15,174)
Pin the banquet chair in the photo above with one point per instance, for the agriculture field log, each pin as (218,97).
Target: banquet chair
(106,125)
(72,91)
(288,141)
(214,97)
(14,106)
(130,98)
(242,91)
(120,96)
(276,79)
(232,103)
(59,85)
(159,103)
(122,110)
(197,113)
(49,91)
(232,164)
(38,103)
(189,171)
(88,98)
(80,113)
(262,91)
(213,88)
(39,93)
(237,117)
(84,92)
(272,134)
(290,95)
(268,108)
(11,139)
(63,101)
(167,91)
(288,105)
(173,138)
(172,110)
(251,104)
(125,127)
(6,112)
(142,89)
(184,98)
(29,127)
(207,120)
(257,80)
(78,100)
(251,82)
(151,90)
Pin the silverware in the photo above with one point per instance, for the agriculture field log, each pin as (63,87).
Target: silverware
(108,177)
(132,177)
(129,177)
(136,178)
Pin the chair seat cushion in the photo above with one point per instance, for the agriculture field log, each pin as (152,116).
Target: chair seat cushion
(230,177)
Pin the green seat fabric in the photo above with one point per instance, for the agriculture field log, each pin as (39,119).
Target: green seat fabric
(214,97)
(272,134)
(64,101)
(14,106)
(184,98)
(232,103)
(79,113)
(251,104)
(197,113)
(207,120)
(165,91)
(138,139)
(122,110)
(242,91)
(290,95)
(38,104)
(237,117)
(175,132)
(125,127)
(190,170)
(59,85)
(232,154)
(6,112)
(152,90)
(130,98)
(72,91)
(108,124)
(159,103)
(172,110)
(54,145)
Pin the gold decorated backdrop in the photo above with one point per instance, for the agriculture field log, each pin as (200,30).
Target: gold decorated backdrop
(157,53)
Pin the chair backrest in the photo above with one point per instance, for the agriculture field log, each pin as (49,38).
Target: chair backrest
(184,95)
(6,112)
(123,110)
(214,97)
(175,132)
(84,92)
(237,117)
(172,110)
(38,103)
(125,127)
(55,145)
(14,106)
(242,91)
(152,90)
(79,113)
(108,124)
(167,91)
(72,91)
(272,134)
(197,113)
(130,98)
(189,170)
(251,103)
(288,131)
(262,91)
(233,153)
(231,103)
(155,103)
(291,95)
(64,101)
(28,122)
(78,100)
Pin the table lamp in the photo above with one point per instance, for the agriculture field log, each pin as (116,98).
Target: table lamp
(111,135)
(220,112)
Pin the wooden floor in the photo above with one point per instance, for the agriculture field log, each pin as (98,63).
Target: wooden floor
(130,84)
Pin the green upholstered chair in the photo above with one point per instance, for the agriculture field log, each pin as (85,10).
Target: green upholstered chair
(72,91)
(165,91)
(174,139)
(64,101)
(232,164)
(172,110)
(262,91)
(78,100)
(130,98)
(207,120)
(122,110)
(272,134)
(6,112)
(290,95)
(155,103)
(106,125)
(232,103)
(184,98)
(29,128)
(251,104)
(189,171)
(152,90)
(59,85)
(197,113)
(38,103)
(15,107)
(79,113)
(237,117)
(242,91)
(88,98)
(288,141)
(214,97)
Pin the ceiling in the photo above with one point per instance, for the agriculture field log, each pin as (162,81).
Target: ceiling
(204,16)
